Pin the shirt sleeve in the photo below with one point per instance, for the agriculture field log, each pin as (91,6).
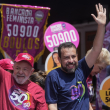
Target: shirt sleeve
(51,89)
(83,65)
(2,74)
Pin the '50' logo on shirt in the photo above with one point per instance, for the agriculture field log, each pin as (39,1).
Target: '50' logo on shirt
(19,98)
(77,92)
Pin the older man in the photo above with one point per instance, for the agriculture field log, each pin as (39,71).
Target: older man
(16,91)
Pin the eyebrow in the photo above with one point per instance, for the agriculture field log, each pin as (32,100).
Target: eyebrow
(26,67)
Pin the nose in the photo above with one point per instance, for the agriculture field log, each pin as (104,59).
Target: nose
(20,71)
(71,59)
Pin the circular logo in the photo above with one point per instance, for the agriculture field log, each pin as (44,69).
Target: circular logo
(26,104)
(58,33)
(105,91)
(39,16)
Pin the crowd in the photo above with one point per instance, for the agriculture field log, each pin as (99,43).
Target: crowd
(68,87)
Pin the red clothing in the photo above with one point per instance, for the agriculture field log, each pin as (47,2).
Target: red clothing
(90,87)
(89,80)
(14,96)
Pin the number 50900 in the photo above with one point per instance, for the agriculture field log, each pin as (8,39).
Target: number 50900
(14,30)
(57,39)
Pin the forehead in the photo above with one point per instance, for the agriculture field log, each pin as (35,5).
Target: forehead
(68,51)
(22,64)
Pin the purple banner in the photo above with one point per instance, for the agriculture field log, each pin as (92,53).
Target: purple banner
(23,28)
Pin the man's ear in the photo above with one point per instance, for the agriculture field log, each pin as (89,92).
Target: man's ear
(32,70)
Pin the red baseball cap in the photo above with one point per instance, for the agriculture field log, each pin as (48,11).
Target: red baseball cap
(26,57)
(6,64)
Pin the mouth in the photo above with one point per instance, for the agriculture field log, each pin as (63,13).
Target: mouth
(20,76)
(71,66)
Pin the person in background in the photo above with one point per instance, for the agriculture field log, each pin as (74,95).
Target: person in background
(17,92)
(102,61)
(7,64)
(38,78)
(103,74)
(107,72)
(66,87)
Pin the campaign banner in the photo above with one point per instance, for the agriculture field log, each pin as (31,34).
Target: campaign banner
(52,61)
(58,33)
(105,91)
(23,28)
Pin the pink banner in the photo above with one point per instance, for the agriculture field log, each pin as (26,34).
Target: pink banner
(23,28)
(58,33)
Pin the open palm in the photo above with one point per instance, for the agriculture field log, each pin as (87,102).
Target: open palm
(101,15)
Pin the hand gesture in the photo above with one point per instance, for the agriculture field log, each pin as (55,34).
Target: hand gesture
(101,15)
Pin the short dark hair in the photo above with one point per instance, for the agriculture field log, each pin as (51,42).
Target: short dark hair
(65,45)
(38,77)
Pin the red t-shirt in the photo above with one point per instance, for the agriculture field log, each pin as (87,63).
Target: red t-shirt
(14,96)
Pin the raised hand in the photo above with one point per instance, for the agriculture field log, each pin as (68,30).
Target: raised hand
(101,15)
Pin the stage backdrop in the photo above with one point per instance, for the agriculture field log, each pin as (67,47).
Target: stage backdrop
(23,27)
